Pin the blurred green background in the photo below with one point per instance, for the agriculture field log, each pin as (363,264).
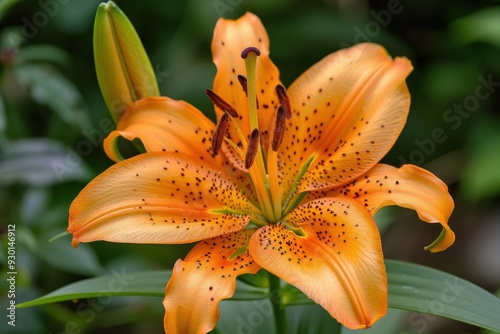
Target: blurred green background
(53,120)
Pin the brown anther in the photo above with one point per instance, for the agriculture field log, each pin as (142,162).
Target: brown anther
(279,128)
(253,49)
(253,147)
(219,134)
(284,100)
(243,82)
(221,104)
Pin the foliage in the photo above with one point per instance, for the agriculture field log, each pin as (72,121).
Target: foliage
(53,120)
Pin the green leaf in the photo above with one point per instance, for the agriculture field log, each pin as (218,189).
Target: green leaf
(481,178)
(251,316)
(482,25)
(412,287)
(3,121)
(119,283)
(122,283)
(50,88)
(5,6)
(41,53)
(487,331)
(40,162)
(422,289)
(123,68)
(60,254)
(311,319)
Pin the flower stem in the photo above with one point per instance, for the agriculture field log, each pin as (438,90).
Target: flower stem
(278,310)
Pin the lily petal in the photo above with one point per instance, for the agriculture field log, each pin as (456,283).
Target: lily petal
(230,38)
(410,187)
(349,109)
(163,124)
(202,280)
(338,263)
(158,198)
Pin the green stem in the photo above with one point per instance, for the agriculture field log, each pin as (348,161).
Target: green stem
(278,309)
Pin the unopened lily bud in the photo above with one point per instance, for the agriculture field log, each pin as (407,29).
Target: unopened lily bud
(123,68)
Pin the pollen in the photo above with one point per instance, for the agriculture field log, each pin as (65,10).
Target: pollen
(252,148)
(279,128)
(284,100)
(219,134)
(220,103)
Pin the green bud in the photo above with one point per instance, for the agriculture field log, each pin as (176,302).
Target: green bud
(124,71)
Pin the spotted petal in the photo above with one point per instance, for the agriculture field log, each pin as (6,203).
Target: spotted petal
(163,124)
(338,263)
(409,187)
(349,109)
(230,38)
(205,277)
(158,198)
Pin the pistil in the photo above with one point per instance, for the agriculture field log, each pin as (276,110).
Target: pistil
(258,167)
(250,55)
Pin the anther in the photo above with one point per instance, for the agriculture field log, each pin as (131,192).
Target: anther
(284,100)
(243,82)
(279,128)
(252,148)
(253,49)
(221,104)
(219,134)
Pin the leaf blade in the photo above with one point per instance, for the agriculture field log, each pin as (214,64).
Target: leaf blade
(412,287)
(147,283)
(421,289)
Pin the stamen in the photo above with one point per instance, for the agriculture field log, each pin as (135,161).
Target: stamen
(243,82)
(253,146)
(253,49)
(220,103)
(272,155)
(284,100)
(219,134)
(279,128)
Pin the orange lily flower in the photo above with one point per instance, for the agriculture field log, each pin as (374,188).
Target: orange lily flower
(288,180)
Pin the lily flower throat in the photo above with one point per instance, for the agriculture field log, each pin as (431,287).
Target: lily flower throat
(262,167)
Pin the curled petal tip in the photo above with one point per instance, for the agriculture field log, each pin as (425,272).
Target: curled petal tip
(75,243)
(445,239)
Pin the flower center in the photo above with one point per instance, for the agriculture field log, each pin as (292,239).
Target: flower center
(261,166)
